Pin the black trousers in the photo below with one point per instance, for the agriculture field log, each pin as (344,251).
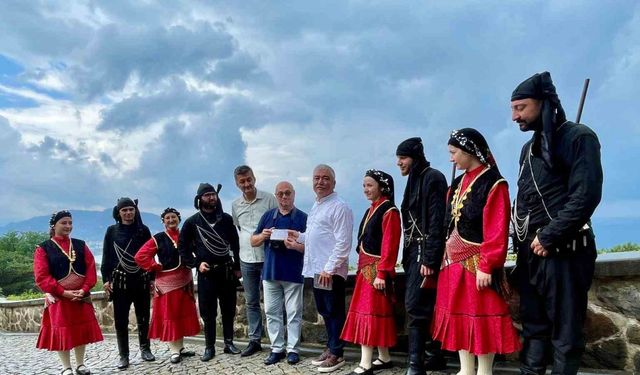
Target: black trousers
(419,302)
(553,305)
(215,287)
(136,292)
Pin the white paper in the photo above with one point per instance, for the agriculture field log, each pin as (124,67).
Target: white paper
(279,234)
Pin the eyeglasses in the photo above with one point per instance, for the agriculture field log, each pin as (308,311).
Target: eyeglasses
(286,193)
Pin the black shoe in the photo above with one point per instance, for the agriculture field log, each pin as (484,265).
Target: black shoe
(293,358)
(208,354)
(123,362)
(187,353)
(229,348)
(274,358)
(146,355)
(251,349)
(379,364)
(82,370)
(175,358)
(435,363)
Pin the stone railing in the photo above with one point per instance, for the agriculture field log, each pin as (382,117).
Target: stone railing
(612,329)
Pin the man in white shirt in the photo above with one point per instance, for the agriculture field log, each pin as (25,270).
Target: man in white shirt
(246,212)
(327,245)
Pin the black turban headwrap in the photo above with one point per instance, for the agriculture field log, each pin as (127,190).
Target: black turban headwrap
(170,210)
(56,216)
(472,142)
(126,202)
(414,149)
(384,180)
(203,189)
(540,86)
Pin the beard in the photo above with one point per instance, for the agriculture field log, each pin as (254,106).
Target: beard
(208,206)
(528,126)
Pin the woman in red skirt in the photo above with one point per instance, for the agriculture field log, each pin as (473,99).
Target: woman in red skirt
(174,310)
(65,271)
(370,320)
(471,314)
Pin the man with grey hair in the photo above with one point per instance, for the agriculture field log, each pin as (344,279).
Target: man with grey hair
(246,212)
(282,279)
(327,244)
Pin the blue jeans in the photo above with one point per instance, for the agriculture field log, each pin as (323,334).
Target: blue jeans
(251,280)
(276,294)
(331,305)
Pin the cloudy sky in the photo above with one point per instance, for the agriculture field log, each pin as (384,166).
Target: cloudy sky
(105,99)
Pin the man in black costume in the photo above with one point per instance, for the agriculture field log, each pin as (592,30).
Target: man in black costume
(423,209)
(559,187)
(124,281)
(209,241)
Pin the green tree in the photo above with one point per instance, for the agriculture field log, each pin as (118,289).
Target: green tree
(629,246)
(16,261)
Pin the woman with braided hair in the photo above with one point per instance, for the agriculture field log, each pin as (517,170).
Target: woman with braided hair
(174,309)
(65,271)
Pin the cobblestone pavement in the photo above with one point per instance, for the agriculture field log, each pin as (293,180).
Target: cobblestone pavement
(21,357)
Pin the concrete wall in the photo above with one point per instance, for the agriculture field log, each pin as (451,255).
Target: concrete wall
(612,329)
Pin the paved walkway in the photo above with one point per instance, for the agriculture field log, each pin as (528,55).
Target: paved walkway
(21,357)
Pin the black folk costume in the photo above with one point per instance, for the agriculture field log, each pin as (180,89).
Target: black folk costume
(130,283)
(212,238)
(423,210)
(559,187)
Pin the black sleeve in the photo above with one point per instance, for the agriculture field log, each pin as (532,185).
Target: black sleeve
(234,241)
(585,191)
(185,244)
(433,211)
(106,266)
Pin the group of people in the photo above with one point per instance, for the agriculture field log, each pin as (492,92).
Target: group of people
(455,246)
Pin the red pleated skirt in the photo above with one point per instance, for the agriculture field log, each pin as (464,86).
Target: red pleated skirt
(67,324)
(370,318)
(174,316)
(468,319)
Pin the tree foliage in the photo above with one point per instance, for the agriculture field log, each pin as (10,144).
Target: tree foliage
(629,246)
(16,261)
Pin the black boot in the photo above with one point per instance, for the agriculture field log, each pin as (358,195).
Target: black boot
(533,357)
(566,364)
(434,360)
(416,352)
(145,345)
(122,337)
(210,341)
(229,348)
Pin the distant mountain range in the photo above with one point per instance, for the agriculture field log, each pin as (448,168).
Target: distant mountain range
(89,226)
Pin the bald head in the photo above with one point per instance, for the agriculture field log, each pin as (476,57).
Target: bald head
(285,194)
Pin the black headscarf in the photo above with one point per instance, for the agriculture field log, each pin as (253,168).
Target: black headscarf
(472,142)
(127,202)
(384,180)
(170,210)
(414,149)
(540,86)
(56,216)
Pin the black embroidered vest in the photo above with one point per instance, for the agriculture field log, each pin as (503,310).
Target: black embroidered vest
(167,252)
(370,232)
(470,222)
(59,263)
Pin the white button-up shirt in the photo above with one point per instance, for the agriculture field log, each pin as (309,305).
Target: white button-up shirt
(327,241)
(246,216)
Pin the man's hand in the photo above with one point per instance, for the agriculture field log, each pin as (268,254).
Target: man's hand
(292,244)
(324,279)
(483,280)
(237,273)
(426,271)
(538,249)
(107,288)
(266,233)
(293,234)
(204,267)
(379,284)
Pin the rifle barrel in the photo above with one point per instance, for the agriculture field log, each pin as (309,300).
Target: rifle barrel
(582,99)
